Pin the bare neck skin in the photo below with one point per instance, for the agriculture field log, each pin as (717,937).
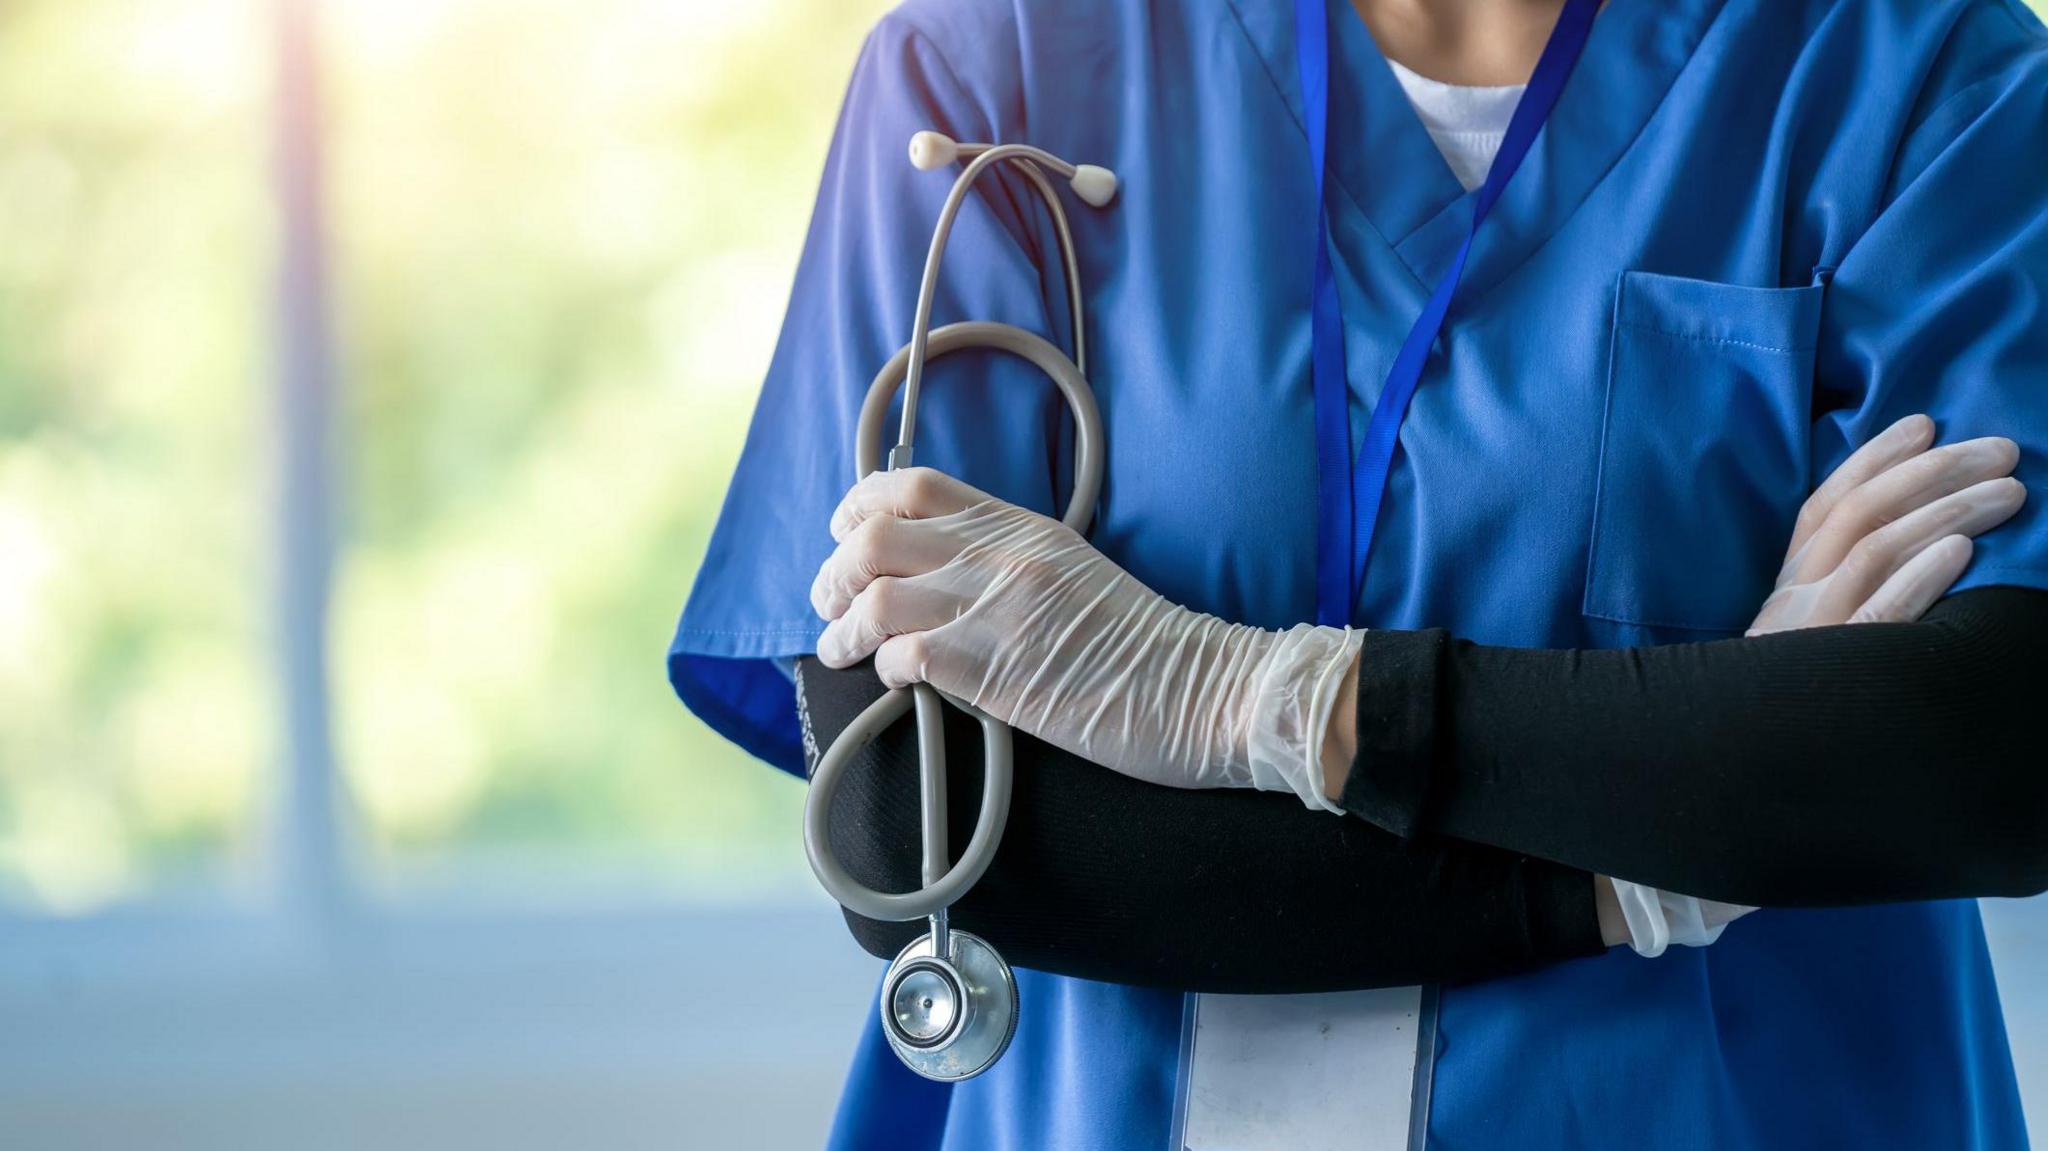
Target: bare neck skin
(1489,43)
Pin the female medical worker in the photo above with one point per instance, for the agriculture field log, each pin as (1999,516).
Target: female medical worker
(1751,235)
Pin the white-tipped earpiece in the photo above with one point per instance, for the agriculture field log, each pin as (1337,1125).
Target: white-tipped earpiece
(1096,186)
(930,150)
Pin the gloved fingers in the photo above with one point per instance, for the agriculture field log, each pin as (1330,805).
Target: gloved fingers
(1887,449)
(1918,584)
(886,608)
(1899,492)
(1788,608)
(904,659)
(906,493)
(1874,559)
(882,545)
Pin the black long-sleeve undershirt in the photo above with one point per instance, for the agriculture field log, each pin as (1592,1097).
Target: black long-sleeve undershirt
(1842,765)
(1104,877)
(1870,763)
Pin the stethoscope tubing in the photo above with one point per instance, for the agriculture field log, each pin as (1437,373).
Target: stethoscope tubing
(942,890)
(1026,159)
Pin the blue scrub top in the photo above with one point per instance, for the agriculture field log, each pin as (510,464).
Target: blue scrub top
(1752,234)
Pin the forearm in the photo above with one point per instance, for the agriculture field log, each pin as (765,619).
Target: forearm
(1105,877)
(1870,763)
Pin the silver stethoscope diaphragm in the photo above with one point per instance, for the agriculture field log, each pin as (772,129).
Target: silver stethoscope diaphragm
(924,1002)
(949,1020)
(949,1002)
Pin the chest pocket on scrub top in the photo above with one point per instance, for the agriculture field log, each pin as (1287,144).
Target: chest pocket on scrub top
(1704,457)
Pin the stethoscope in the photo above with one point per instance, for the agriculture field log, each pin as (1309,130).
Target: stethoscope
(949,1002)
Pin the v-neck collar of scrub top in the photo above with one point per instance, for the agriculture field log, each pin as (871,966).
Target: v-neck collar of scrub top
(1383,164)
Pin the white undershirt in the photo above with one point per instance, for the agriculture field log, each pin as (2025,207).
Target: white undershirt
(1466,122)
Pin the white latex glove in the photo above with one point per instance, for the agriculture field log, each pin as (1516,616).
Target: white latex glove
(1020,616)
(1879,542)
(1890,530)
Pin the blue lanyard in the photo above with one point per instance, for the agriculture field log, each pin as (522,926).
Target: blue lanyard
(1348,506)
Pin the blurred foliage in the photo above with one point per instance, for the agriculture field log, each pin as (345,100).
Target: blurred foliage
(135,714)
(564,237)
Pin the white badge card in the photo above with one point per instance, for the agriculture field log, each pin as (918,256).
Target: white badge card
(1348,1071)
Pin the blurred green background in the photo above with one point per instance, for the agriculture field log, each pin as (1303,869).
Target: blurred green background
(562,235)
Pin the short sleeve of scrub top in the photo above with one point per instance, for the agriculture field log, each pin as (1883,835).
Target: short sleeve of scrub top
(1941,305)
(849,310)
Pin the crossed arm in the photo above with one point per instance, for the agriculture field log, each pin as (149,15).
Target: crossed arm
(1107,877)
(1475,765)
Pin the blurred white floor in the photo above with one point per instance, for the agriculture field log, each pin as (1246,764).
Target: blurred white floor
(600,1034)
(597,1033)
(2018,931)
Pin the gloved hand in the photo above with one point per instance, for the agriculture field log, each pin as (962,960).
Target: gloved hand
(1879,542)
(1021,617)
(1890,530)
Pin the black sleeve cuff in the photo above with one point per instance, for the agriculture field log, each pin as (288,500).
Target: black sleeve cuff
(1559,908)
(1398,677)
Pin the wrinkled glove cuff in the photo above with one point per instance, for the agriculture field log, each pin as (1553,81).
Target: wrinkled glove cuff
(1657,919)
(1297,690)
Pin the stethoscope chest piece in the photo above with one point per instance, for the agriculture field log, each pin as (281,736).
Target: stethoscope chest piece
(949,1019)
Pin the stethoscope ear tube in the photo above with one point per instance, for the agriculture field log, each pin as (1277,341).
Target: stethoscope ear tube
(1089,441)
